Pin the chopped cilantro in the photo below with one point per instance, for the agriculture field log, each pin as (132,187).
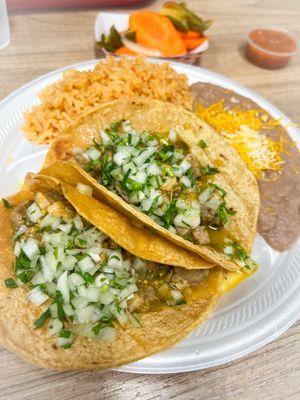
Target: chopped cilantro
(60,311)
(42,249)
(91,165)
(10,283)
(67,334)
(106,167)
(96,144)
(223,212)
(6,203)
(22,262)
(208,170)
(104,322)
(82,242)
(42,319)
(170,214)
(88,278)
(124,181)
(115,126)
(216,187)
(26,275)
(202,143)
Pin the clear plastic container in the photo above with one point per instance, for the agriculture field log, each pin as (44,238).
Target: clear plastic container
(270,46)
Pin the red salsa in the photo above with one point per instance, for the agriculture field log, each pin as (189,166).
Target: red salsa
(270,47)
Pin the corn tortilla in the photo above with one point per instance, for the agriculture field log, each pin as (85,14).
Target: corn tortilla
(160,329)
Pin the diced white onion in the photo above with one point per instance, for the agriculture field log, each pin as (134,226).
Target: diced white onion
(78,223)
(154,169)
(172,229)
(79,302)
(130,289)
(55,325)
(84,189)
(86,264)
(48,266)
(181,204)
(129,166)
(34,213)
(108,334)
(53,310)
(51,288)
(76,279)
(177,295)
(69,262)
(106,297)
(61,341)
(30,248)
(92,294)
(66,228)
(37,297)
(204,196)
(68,309)
(120,315)
(50,220)
(144,155)
(184,166)
(101,280)
(146,204)
(93,153)
(121,158)
(38,279)
(228,250)
(20,231)
(63,286)
(60,254)
(139,264)
(186,181)
(94,254)
(17,249)
(84,315)
(126,125)
(105,137)
(56,239)
(213,203)
(140,177)
(115,260)
(172,135)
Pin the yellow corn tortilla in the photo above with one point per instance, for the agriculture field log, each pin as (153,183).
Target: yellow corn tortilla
(155,116)
(160,329)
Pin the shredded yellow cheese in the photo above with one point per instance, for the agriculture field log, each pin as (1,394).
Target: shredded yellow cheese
(244,131)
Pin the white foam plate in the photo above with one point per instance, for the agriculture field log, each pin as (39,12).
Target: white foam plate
(251,315)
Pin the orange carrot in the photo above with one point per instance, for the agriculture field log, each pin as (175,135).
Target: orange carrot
(156,31)
(123,51)
(190,35)
(193,43)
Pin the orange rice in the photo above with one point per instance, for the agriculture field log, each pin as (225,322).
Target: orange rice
(78,92)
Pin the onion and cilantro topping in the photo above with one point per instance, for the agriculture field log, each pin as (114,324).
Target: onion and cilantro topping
(162,178)
(85,282)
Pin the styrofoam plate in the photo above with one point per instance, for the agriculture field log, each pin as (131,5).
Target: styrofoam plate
(253,314)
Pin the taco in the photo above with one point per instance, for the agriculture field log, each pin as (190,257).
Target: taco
(71,298)
(163,166)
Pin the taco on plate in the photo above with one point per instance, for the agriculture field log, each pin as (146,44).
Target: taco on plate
(72,298)
(163,166)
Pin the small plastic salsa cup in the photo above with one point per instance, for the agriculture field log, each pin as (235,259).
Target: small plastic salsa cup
(270,46)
